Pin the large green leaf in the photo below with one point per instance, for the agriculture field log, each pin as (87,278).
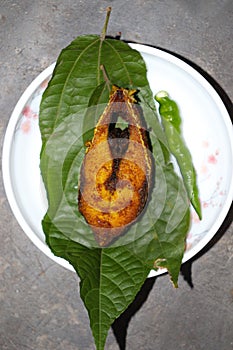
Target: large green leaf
(76,95)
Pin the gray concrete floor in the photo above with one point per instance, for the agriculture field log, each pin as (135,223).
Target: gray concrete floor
(40,307)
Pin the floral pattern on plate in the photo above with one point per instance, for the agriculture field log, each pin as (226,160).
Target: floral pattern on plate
(30,112)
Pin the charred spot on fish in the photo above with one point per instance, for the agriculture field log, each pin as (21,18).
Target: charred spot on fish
(143,194)
(111,182)
(118,140)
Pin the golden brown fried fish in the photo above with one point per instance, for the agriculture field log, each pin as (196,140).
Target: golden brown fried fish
(116,171)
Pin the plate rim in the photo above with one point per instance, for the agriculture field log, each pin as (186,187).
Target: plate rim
(7,146)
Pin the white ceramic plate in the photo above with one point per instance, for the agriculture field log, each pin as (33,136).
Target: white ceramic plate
(207,130)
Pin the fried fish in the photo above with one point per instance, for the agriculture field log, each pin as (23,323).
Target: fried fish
(116,172)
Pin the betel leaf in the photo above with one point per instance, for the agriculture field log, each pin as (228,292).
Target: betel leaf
(76,96)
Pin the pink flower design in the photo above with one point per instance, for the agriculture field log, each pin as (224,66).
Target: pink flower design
(28,112)
(28,116)
(44,84)
(205,204)
(205,144)
(26,126)
(212,159)
(204,169)
(195,218)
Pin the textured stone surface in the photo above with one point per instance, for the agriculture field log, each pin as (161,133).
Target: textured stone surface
(40,307)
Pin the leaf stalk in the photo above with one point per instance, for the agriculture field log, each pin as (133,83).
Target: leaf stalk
(104,30)
(105,75)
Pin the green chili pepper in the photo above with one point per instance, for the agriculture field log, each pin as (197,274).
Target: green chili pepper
(171,122)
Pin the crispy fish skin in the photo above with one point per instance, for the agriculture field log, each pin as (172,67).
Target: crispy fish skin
(115,175)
